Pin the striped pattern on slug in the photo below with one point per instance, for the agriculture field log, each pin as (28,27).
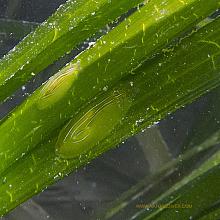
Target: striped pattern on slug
(80,136)
(57,86)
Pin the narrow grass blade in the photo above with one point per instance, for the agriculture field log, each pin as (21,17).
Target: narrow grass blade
(114,56)
(73,23)
(200,189)
(154,95)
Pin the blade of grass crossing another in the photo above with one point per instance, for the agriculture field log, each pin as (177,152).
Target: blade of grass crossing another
(69,26)
(42,166)
(114,56)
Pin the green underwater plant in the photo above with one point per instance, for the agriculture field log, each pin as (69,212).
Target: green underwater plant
(79,136)
(135,74)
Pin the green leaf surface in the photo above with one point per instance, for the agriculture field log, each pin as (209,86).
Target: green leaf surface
(211,215)
(200,189)
(94,71)
(160,86)
(207,136)
(168,175)
(72,23)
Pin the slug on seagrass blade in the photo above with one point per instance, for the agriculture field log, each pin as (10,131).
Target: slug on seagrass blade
(57,86)
(80,136)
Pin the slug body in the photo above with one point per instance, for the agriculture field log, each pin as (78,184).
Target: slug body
(57,86)
(80,136)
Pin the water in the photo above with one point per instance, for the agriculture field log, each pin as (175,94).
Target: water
(92,190)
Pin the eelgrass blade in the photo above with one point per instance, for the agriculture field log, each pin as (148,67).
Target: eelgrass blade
(212,213)
(200,190)
(72,24)
(158,94)
(114,56)
(166,177)
(206,139)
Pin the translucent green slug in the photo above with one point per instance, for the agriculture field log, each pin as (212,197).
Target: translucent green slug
(57,86)
(80,136)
